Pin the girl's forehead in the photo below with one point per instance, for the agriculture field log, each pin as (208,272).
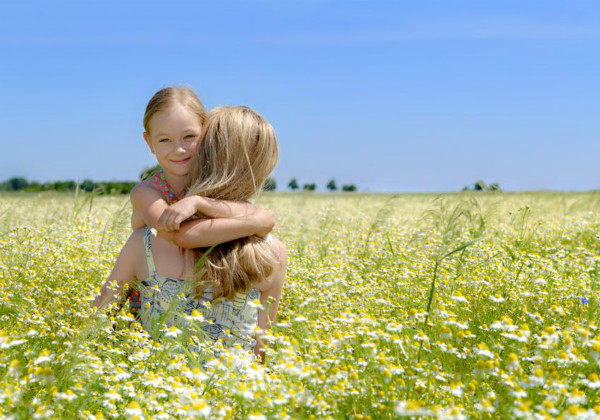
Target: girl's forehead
(175,115)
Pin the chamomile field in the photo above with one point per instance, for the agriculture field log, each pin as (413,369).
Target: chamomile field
(452,307)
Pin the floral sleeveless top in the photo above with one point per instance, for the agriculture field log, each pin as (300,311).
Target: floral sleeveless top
(233,321)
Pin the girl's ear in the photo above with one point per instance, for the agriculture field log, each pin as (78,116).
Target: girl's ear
(148,142)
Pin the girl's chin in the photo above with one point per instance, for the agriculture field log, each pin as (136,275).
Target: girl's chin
(177,170)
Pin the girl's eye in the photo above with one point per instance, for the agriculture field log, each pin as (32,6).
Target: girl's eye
(163,140)
(190,137)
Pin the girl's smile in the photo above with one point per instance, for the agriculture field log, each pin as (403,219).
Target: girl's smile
(173,136)
(182,161)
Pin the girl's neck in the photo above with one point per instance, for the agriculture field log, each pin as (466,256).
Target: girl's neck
(176,183)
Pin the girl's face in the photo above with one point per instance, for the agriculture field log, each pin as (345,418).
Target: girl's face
(173,137)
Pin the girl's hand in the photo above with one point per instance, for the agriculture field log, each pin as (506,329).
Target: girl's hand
(176,213)
(264,220)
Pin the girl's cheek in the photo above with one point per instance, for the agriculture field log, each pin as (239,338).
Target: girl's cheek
(194,146)
(162,148)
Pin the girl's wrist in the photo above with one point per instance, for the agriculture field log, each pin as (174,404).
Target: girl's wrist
(200,204)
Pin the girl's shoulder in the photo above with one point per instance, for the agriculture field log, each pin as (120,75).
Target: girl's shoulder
(144,191)
(278,274)
(145,186)
(278,247)
(281,253)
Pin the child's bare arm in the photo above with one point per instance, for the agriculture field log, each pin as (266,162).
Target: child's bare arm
(248,220)
(148,205)
(271,292)
(177,213)
(207,232)
(136,220)
(122,273)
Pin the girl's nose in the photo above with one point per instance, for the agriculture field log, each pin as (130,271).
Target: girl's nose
(180,147)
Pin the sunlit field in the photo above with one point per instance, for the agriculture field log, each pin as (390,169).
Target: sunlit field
(452,307)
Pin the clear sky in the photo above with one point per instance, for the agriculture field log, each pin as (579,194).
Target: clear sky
(389,95)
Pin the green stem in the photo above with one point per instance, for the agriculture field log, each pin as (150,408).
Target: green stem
(429,303)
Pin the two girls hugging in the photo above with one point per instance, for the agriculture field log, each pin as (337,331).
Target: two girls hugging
(212,164)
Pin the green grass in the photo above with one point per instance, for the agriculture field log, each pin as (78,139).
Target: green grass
(451,306)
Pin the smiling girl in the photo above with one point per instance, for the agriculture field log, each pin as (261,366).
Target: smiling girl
(173,126)
(238,288)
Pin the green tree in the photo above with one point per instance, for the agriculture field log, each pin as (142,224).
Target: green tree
(331,185)
(270,184)
(16,184)
(349,187)
(63,186)
(293,184)
(119,187)
(148,172)
(479,186)
(309,187)
(34,186)
(482,186)
(87,185)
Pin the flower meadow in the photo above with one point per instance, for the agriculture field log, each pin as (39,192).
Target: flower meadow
(457,306)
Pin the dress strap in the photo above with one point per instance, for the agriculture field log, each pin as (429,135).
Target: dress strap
(148,249)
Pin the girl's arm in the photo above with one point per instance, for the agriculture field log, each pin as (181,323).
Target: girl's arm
(270,297)
(136,220)
(148,204)
(201,233)
(124,271)
(233,220)
(178,212)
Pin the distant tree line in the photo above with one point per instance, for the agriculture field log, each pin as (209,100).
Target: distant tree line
(111,187)
(482,186)
(331,186)
(125,187)
(271,183)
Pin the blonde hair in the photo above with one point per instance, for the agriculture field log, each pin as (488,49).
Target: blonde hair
(170,96)
(237,152)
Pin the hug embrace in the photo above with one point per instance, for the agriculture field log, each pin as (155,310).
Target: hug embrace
(198,244)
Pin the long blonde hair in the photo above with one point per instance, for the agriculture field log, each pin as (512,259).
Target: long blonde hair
(170,96)
(237,152)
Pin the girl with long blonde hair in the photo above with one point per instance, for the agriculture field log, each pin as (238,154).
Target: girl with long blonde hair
(236,153)
(173,123)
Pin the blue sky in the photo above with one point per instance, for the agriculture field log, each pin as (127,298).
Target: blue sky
(389,95)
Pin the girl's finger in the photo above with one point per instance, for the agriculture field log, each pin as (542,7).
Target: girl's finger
(163,219)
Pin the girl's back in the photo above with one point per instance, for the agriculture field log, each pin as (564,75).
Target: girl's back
(233,321)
